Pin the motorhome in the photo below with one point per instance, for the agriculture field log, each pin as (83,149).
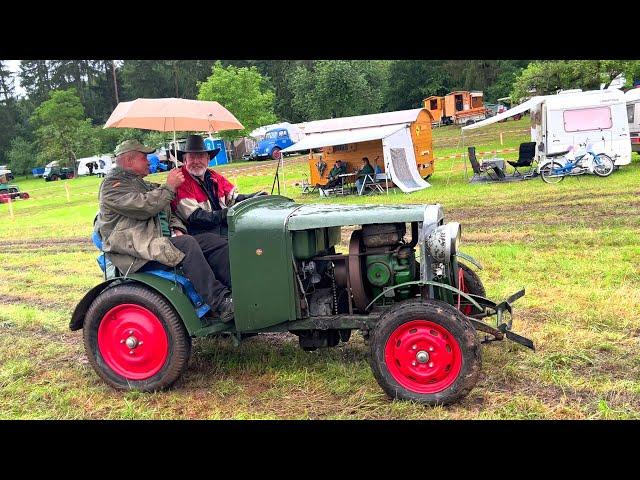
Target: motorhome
(632,97)
(573,117)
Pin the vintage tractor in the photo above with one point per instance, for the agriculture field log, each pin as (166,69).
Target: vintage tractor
(11,192)
(420,310)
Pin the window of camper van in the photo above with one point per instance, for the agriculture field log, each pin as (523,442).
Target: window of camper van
(630,111)
(587,119)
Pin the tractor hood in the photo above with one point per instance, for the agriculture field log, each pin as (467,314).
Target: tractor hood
(319,216)
(294,216)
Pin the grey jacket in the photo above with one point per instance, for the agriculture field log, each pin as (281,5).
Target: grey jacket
(129,225)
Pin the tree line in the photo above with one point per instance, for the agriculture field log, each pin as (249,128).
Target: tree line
(66,102)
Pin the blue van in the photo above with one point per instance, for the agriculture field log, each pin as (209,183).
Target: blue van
(274,140)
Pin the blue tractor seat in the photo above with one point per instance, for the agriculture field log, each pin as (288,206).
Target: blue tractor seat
(199,305)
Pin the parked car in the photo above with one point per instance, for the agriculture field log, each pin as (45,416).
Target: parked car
(419,318)
(52,174)
(270,146)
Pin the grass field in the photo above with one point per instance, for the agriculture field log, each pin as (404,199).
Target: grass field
(573,246)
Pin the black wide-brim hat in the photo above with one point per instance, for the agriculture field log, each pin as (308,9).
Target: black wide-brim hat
(195,144)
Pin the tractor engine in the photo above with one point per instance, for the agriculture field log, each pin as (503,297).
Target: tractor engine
(388,261)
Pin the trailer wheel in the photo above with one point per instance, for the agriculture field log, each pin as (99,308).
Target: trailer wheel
(135,340)
(24,195)
(425,351)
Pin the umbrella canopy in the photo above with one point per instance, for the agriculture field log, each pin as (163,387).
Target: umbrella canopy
(173,114)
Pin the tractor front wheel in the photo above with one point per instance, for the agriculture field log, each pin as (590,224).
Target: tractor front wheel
(425,351)
(135,340)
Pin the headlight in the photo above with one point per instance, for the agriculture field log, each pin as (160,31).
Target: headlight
(443,242)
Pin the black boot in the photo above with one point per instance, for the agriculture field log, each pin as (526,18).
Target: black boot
(225,309)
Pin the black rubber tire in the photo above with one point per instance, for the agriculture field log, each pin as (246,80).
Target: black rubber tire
(546,169)
(54,178)
(13,190)
(177,336)
(607,159)
(447,317)
(472,282)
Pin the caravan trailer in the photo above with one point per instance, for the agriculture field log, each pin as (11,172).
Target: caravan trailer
(632,97)
(459,107)
(573,117)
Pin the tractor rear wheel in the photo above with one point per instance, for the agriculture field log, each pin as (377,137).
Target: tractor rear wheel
(425,351)
(135,340)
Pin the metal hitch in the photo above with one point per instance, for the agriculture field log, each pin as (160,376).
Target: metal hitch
(502,328)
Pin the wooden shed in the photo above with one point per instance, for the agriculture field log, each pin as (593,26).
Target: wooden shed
(435,106)
(400,141)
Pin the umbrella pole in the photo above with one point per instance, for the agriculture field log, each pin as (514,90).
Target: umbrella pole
(175,145)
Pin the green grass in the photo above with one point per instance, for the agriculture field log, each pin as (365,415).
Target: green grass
(573,246)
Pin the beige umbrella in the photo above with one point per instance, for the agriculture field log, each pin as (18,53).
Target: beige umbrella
(173,114)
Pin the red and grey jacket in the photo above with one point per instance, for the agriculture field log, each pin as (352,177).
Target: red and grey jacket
(202,204)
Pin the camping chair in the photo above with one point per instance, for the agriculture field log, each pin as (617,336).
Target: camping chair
(526,154)
(370,185)
(485,167)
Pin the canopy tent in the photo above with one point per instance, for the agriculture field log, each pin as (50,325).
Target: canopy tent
(523,107)
(399,155)
(341,137)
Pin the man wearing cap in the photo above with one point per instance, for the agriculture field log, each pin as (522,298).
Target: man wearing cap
(202,200)
(138,229)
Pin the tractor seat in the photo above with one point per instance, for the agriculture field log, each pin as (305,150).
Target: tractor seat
(111,271)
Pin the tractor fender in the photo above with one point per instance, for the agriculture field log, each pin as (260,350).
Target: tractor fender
(168,289)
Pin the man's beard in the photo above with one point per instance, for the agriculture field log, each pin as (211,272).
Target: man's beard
(196,171)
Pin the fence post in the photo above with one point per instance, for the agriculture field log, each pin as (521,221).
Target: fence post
(66,189)
(10,207)
(501,142)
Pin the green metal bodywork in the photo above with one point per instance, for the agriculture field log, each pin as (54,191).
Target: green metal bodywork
(262,271)
(168,289)
(266,236)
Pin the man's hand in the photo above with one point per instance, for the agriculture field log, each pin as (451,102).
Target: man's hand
(177,233)
(175,179)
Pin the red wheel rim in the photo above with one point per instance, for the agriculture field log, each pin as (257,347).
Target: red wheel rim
(276,154)
(132,341)
(423,356)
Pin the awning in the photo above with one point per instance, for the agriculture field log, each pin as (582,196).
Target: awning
(341,137)
(523,107)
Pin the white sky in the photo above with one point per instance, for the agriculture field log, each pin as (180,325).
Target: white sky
(14,67)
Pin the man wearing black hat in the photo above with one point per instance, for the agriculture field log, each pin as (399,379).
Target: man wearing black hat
(202,200)
(138,228)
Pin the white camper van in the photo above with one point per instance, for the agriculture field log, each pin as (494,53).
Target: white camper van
(104,164)
(632,98)
(573,117)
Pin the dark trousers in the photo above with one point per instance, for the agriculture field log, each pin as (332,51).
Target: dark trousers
(205,263)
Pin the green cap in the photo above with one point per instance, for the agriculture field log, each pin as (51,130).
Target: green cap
(132,146)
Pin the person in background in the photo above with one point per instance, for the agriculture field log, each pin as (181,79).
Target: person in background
(339,168)
(365,169)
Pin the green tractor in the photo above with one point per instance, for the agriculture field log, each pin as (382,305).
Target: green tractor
(419,308)
(11,192)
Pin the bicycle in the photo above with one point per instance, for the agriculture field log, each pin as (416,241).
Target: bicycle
(584,161)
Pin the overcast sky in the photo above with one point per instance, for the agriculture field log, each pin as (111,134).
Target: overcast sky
(14,67)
